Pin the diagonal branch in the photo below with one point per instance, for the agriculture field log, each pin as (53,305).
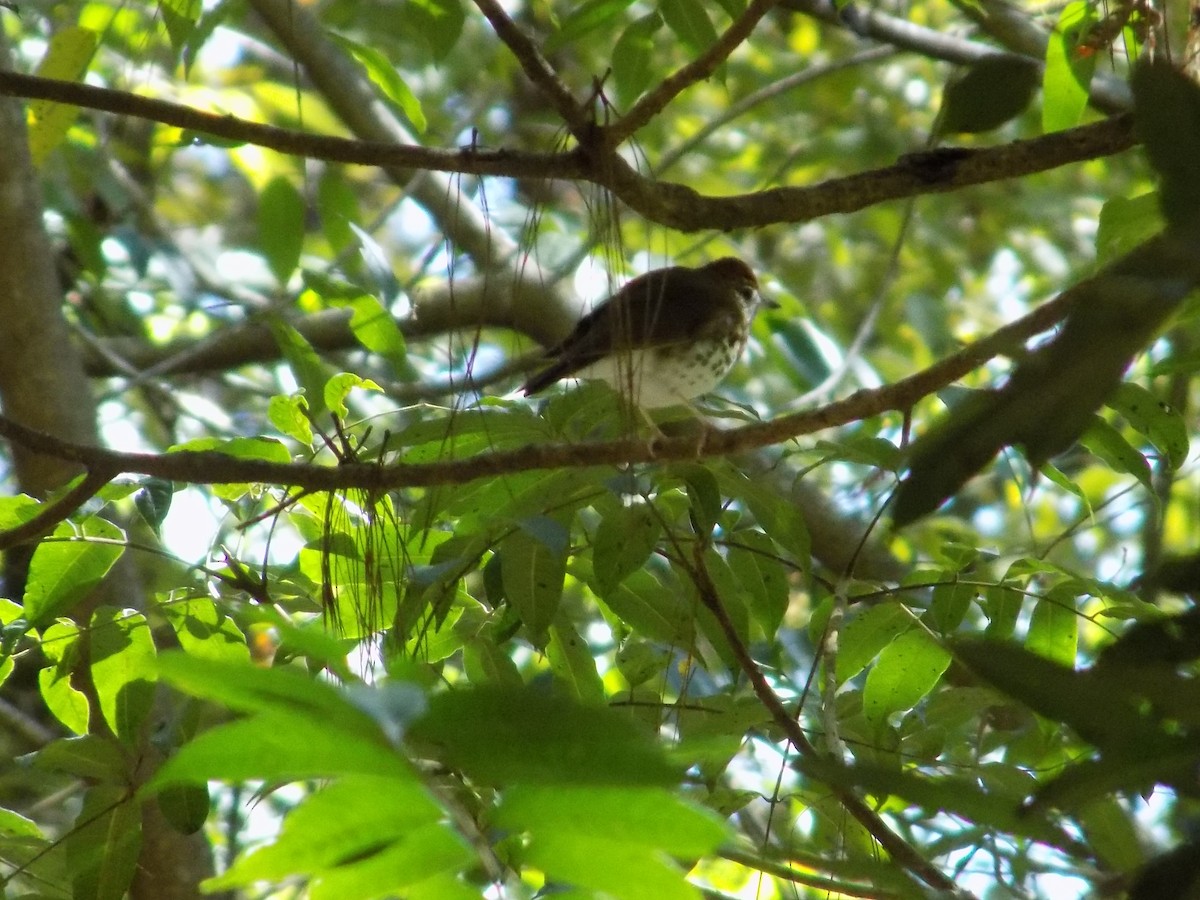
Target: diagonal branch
(213,467)
(59,510)
(538,70)
(897,848)
(698,69)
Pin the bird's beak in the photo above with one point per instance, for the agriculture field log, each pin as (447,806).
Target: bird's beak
(768,303)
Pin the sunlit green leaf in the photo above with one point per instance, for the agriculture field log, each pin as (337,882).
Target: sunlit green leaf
(68,566)
(1068,73)
(67,57)
(383,72)
(123,669)
(907,669)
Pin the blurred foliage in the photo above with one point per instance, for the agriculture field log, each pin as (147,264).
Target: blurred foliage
(543,681)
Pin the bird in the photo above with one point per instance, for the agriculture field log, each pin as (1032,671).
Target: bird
(665,338)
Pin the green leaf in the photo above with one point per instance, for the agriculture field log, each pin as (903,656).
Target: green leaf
(60,644)
(304,361)
(730,595)
(609,867)
(1054,626)
(704,495)
(487,663)
(123,669)
(281,218)
(992,90)
(338,388)
(91,756)
(102,849)
(337,205)
(280,746)
(249,688)
(67,57)
(532,566)
(690,22)
(381,71)
(643,602)
(625,538)
(15,825)
(375,329)
(1121,456)
(180,17)
(1111,830)
(288,414)
(865,635)
(1125,223)
(439,22)
(776,513)
(907,669)
(68,566)
(185,806)
(949,604)
(425,852)
(205,631)
(501,735)
(1163,426)
(632,57)
(1002,605)
(585,18)
(339,833)
(651,818)
(1068,73)
(639,661)
(754,559)
(572,663)
(153,501)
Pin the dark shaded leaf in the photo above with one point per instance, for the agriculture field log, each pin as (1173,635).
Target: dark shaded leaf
(991,91)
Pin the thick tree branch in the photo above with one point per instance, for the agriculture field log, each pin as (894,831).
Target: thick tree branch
(525,305)
(211,467)
(667,203)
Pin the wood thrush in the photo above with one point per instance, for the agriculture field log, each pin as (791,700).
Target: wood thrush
(664,338)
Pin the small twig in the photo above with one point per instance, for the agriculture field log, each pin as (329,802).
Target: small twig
(770,92)
(828,655)
(698,69)
(901,852)
(538,69)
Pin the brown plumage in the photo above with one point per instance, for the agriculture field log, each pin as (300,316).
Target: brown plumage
(664,338)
